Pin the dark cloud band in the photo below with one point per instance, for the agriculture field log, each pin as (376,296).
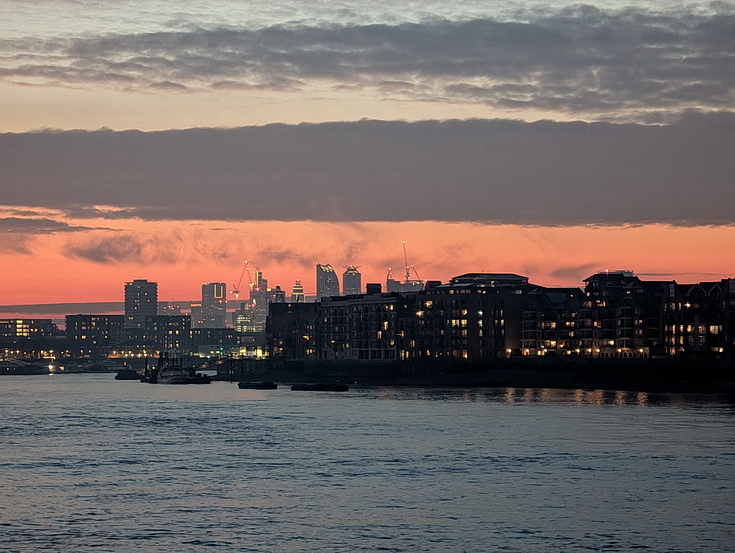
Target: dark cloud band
(499,171)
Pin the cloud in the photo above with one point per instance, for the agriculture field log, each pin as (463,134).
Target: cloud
(574,272)
(15,243)
(485,171)
(19,226)
(99,211)
(579,60)
(188,244)
(35,225)
(118,248)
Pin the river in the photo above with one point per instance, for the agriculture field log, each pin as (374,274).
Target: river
(88,463)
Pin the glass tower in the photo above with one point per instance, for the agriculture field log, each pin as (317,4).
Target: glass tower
(327,284)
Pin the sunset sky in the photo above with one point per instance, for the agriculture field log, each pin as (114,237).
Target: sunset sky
(172,140)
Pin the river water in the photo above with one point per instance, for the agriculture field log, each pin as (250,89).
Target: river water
(88,463)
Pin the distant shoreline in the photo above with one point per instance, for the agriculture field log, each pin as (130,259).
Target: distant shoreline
(644,375)
(503,378)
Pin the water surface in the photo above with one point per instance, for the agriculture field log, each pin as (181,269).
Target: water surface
(88,463)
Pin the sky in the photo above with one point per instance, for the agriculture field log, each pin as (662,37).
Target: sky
(173,140)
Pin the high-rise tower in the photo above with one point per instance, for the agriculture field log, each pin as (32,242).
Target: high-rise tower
(327,283)
(297,293)
(351,281)
(214,304)
(141,300)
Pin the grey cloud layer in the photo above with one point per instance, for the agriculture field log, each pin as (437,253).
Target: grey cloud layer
(35,225)
(578,60)
(477,170)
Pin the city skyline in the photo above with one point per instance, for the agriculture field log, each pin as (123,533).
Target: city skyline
(261,290)
(554,141)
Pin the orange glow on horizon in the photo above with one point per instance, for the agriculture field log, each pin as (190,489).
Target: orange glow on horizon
(93,265)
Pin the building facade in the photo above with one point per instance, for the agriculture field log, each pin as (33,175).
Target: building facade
(327,284)
(477,318)
(297,293)
(14,331)
(94,334)
(171,333)
(351,281)
(291,332)
(359,328)
(471,320)
(549,325)
(141,301)
(214,305)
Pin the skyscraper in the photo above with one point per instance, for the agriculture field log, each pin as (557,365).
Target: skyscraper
(351,281)
(243,319)
(327,284)
(141,300)
(214,304)
(297,294)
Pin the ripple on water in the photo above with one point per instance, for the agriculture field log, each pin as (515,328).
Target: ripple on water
(380,470)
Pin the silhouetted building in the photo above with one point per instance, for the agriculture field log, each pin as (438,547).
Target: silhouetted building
(470,320)
(623,316)
(276,295)
(359,328)
(297,293)
(549,326)
(214,304)
(351,281)
(392,285)
(94,334)
(171,333)
(15,331)
(709,318)
(291,332)
(727,314)
(141,301)
(169,308)
(197,320)
(243,318)
(327,284)
(213,342)
(478,318)
(491,280)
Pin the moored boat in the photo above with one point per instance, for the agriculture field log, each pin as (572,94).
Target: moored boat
(266,385)
(127,374)
(320,387)
(18,367)
(182,375)
(170,371)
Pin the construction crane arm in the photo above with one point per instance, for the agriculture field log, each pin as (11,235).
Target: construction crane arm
(236,290)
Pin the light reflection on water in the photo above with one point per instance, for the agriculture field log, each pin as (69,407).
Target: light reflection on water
(88,463)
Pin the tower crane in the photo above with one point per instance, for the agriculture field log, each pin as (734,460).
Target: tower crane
(405,262)
(250,276)
(409,267)
(236,288)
